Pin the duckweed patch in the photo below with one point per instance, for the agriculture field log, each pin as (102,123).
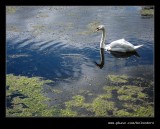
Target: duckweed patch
(110,88)
(122,113)
(147,12)
(131,93)
(11,9)
(129,89)
(118,78)
(122,100)
(105,96)
(77,101)
(101,107)
(25,97)
(132,98)
(142,95)
(126,98)
(56,91)
(68,112)
(147,111)
(137,111)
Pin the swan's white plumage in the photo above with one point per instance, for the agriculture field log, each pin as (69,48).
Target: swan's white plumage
(120,45)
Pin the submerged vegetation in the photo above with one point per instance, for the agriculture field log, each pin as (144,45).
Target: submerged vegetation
(25,97)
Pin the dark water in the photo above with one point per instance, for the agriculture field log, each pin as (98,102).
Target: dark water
(59,43)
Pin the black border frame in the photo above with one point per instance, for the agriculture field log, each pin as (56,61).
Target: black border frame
(76,122)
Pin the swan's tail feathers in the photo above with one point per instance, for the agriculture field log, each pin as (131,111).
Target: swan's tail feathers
(135,47)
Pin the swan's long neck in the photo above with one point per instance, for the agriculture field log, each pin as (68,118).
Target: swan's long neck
(102,42)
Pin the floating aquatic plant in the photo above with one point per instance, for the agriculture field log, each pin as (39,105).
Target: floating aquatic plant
(77,101)
(68,112)
(147,12)
(11,9)
(56,91)
(118,78)
(25,98)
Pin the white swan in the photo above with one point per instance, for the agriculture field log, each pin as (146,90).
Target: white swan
(120,45)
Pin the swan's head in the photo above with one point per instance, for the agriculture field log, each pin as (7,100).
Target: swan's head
(101,27)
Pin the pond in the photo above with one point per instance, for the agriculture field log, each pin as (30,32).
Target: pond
(59,43)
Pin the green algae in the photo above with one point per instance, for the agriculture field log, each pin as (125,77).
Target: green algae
(56,91)
(105,96)
(122,113)
(99,106)
(147,12)
(144,111)
(126,98)
(131,100)
(11,9)
(25,96)
(142,95)
(110,88)
(68,112)
(85,92)
(139,112)
(103,104)
(77,101)
(118,78)
(129,89)
(131,93)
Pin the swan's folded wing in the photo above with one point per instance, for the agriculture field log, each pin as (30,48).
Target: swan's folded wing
(121,45)
(128,43)
(119,41)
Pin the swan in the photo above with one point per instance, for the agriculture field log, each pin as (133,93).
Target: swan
(120,45)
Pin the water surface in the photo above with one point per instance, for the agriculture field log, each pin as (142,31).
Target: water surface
(60,43)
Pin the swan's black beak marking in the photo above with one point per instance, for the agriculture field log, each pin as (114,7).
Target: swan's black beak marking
(97,29)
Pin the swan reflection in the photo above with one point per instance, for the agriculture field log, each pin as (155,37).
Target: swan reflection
(115,54)
(124,54)
(101,64)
